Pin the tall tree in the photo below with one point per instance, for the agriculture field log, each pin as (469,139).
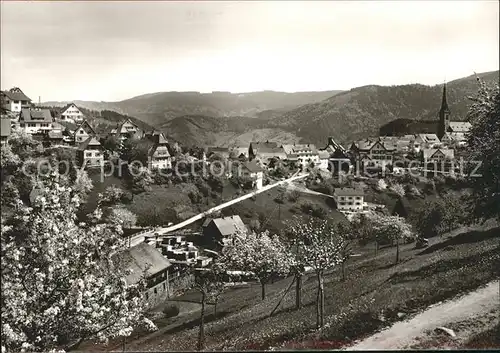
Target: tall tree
(320,249)
(210,283)
(484,148)
(60,284)
(394,228)
(260,253)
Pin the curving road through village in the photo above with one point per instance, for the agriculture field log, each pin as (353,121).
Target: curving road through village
(141,237)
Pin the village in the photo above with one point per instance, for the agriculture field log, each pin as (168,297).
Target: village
(174,253)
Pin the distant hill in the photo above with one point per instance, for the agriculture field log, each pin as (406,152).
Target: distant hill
(157,108)
(223,118)
(197,130)
(360,112)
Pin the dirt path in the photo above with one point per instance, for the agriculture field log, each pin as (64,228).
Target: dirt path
(408,333)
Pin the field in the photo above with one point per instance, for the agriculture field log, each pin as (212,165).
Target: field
(375,294)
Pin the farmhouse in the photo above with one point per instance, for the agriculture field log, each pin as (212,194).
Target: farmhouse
(83,132)
(302,154)
(216,231)
(72,113)
(35,120)
(373,152)
(440,159)
(90,153)
(266,151)
(14,100)
(249,170)
(349,199)
(158,154)
(125,130)
(145,260)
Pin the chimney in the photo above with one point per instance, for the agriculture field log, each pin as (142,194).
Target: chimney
(39,100)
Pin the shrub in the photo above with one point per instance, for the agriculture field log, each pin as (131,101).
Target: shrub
(381,185)
(293,196)
(398,189)
(171,311)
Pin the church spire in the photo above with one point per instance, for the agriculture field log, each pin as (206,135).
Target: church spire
(444,115)
(444,102)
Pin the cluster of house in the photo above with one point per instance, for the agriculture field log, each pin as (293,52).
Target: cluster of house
(72,128)
(430,148)
(167,258)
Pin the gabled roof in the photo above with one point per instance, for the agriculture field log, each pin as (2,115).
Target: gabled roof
(5,127)
(460,126)
(430,152)
(67,125)
(154,149)
(84,124)
(35,116)
(252,167)
(228,225)
(142,259)
(120,127)
(348,192)
(89,143)
(16,94)
(69,105)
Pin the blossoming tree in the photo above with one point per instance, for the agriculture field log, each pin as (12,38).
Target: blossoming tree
(320,248)
(394,228)
(60,286)
(210,283)
(260,253)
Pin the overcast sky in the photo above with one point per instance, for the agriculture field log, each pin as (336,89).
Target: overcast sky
(116,50)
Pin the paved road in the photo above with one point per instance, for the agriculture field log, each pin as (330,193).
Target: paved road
(139,238)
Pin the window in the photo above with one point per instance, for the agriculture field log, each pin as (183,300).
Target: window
(156,290)
(82,132)
(31,125)
(17,102)
(88,154)
(164,286)
(358,198)
(147,295)
(98,154)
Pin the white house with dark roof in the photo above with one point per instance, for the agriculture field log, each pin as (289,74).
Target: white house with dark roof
(349,199)
(83,132)
(125,129)
(35,120)
(14,100)
(438,159)
(303,154)
(249,169)
(72,113)
(90,153)
(374,152)
(158,154)
(265,151)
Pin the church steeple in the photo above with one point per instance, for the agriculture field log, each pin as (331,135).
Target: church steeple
(444,102)
(444,115)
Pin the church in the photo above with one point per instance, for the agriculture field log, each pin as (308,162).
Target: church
(451,131)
